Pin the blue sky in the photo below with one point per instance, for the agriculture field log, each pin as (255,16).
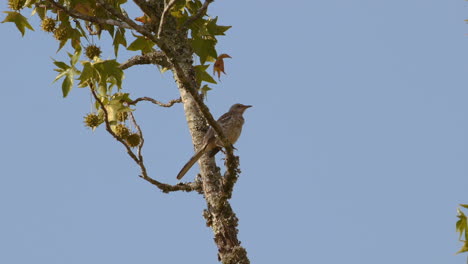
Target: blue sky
(355,150)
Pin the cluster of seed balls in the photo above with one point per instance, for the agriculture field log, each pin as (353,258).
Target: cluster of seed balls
(91,120)
(120,130)
(61,33)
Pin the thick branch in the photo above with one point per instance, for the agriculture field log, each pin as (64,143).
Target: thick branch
(92,19)
(156,57)
(168,104)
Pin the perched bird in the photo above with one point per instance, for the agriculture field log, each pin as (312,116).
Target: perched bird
(231,124)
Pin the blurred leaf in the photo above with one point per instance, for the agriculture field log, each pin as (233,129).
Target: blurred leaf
(122,97)
(74,57)
(85,8)
(109,69)
(62,65)
(87,74)
(205,90)
(143,19)
(464,205)
(20,21)
(67,82)
(202,75)
(204,48)
(464,248)
(193,6)
(141,43)
(119,39)
(214,29)
(41,12)
(80,28)
(461,225)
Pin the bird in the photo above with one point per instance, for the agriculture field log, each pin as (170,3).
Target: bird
(231,123)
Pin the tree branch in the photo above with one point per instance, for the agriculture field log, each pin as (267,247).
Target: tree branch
(93,19)
(168,104)
(111,10)
(200,13)
(140,133)
(167,7)
(156,57)
(191,87)
(166,188)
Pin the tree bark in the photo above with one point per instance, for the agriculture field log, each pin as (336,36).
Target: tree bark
(219,214)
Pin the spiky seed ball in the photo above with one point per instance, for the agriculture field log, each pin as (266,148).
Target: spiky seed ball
(92,120)
(122,131)
(122,116)
(48,24)
(93,51)
(16,4)
(61,33)
(133,140)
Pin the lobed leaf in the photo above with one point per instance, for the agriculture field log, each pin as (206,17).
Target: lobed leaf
(20,21)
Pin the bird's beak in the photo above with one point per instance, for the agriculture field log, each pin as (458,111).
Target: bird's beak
(247,106)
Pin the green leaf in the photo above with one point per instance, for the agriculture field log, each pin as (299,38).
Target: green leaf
(40,11)
(205,90)
(214,29)
(464,205)
(202,75)
(464,248)
(141,43)
(67,83)
(119,39)
(87,74)
(74,57)
(193,6)
(461,225)
(80,28)
(109,69)
(29,3)
(122,97)
(62,65)
(102,89)
(204,48)
(20,21)
(75,37)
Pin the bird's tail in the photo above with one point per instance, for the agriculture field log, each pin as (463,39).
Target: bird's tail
(190,163)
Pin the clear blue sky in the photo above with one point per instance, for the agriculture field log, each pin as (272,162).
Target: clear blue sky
(355,151)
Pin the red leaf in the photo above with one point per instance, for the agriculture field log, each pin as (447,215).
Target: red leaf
(218,66)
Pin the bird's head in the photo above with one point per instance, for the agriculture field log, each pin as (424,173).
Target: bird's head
(239,108)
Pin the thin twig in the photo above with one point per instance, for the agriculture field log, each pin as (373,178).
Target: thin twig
(92,19)
(108,127)
(156,57)
(139,160)
(111,10)
(167,7)
(168,104)
(166,188)
(140,133)
(200,13)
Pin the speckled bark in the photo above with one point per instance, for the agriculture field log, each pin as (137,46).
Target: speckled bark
(219,215)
